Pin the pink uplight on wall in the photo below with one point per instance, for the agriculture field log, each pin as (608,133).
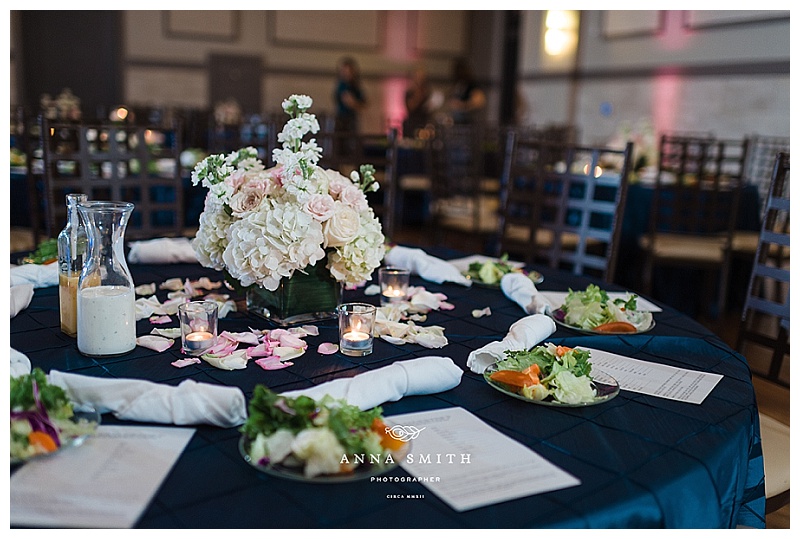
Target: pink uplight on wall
(394,106)
(666,102)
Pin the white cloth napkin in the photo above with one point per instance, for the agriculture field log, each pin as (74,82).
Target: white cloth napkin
(21,296)
(521,290)
(20,364)
(523,334)
(189,403)
(421,376)
(39,275)
(426,266)
(162,251)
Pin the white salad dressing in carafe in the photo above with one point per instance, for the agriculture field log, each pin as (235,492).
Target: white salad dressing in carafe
(106,300)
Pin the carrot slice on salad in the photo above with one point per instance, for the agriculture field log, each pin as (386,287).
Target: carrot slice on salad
(616,327)
(42,441)
(515,379)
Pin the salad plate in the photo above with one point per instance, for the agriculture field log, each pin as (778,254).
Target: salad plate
(594,332)
(487,271)
(594,312)
(295,473)
(605,386)
(72,433)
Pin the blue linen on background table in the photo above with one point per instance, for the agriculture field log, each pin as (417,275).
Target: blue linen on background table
(643,461)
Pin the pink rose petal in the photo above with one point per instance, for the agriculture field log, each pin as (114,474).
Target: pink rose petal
(272,364)
(160,319)
(262,350)
(154,342)
(291,341)
(327,348)
(185,362)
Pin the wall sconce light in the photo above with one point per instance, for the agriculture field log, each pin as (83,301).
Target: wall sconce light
(561,32)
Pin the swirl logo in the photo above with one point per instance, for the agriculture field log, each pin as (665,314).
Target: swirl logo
(404,434)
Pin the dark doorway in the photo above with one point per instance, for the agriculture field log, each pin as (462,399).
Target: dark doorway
(79,50)
(236,77)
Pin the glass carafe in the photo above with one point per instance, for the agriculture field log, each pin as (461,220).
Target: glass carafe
(72,250)
(106,300)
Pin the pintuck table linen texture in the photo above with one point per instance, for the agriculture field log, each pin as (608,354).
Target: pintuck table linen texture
(642,461)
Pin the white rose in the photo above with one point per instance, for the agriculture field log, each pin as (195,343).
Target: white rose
(354,197)
(320,207)
(342,227)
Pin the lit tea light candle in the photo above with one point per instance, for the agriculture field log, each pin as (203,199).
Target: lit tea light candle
(356,340)
(394,293)
(394,284)
(199,340)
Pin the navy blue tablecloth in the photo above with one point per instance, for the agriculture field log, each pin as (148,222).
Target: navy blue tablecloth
(642,461)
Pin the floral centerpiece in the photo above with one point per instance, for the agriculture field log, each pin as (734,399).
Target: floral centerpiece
(291,233)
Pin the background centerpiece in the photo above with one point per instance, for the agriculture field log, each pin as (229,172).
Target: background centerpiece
(291,235)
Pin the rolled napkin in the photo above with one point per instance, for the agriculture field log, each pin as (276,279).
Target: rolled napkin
(162,251)
(426,266)
(523,334)
(20,364)
(521,290)
(39,275)
(421,376)
(21,296)
(189,403)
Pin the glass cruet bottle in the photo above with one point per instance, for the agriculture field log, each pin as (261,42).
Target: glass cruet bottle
(72,249)
(106,299)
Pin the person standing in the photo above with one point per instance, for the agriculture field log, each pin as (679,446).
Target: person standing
(466,98)
(348,96)
(418,98)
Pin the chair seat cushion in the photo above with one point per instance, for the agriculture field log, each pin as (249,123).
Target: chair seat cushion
(746,242)
(413,182)
(679,247)
(458,213)
(775,447)
(544,237)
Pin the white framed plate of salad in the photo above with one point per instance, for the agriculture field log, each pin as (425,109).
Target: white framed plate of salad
(324,441)
(552,375)
(592,311)
(43,420)
(488,271)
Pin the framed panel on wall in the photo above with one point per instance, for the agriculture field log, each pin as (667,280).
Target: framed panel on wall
(347,29)
(205,25)
(438,33)
(717,18)
(632,23)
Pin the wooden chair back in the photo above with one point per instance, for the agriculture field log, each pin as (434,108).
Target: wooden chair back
(562,204)
(346,152)
(107,161)
(765,317)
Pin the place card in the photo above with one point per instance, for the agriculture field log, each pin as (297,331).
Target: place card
(557,299)
(105,483)
(468,464)
(655,379)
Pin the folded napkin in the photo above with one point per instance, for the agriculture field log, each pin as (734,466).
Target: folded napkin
(20,364)
(162,251)
(521,290)
(421,376)
(189,403)
(523,334)
(39,275)
(21,296)
(426,266)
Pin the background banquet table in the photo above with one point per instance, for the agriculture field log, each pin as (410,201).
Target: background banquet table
(642,461)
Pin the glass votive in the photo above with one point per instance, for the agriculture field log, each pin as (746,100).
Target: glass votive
(198,321)
(394,284)
(356,322)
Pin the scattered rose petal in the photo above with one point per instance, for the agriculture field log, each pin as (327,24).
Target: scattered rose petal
(206,283)
(185,362)
(163,319)
(174,284)
(291,341)
(446,306)
(271,364)
(154,342)
(244,337)
(286,352)
(418,317)
(478,313)
(145,289)
(311,330)
(235,361)
(169,333)
(372,290)
(327,348)
(393,340)
(262,350)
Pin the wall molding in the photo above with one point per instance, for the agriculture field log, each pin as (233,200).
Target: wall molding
(231,34)
(272,32)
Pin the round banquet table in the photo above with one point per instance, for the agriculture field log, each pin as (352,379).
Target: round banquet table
(643,461)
